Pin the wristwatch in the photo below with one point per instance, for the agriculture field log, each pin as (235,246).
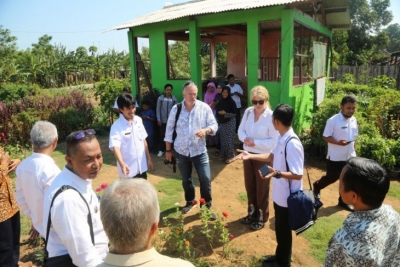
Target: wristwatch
(278,174)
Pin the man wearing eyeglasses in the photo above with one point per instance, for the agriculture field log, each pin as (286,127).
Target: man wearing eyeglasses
(70,231)
(195,121)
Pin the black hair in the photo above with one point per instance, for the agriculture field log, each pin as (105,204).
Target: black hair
(230,76)
(71,142)
(368,179)
(284,113)
(348,99)
(146,102)
(126,100)
(168,85)
(126,89)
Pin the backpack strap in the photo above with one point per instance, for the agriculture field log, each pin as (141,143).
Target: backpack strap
(287,165)
(178,112)
(89,217)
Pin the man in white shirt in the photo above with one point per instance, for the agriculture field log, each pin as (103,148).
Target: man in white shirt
(36,173)
(128,141)
(287,174)
(236,93)
(340,133)
(70,229)
(130,213)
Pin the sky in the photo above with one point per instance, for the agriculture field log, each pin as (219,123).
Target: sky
(75,23)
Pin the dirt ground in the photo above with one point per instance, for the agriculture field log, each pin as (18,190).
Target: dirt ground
(227,185)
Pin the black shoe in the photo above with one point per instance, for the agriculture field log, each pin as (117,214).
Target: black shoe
(269,261)
(247,220)
(345,206)
(188,208)
(316,190)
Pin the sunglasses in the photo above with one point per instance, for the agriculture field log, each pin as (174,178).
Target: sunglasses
(80,134)
(255,102)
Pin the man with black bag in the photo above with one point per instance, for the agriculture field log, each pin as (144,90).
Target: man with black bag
(74,231)
(287,174)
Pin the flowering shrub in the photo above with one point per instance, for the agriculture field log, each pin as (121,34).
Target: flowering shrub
(176,239)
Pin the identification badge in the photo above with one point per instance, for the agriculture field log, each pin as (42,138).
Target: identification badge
(128,133)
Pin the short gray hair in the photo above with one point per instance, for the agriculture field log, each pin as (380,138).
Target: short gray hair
(43,134)
(129,208)
(188,84)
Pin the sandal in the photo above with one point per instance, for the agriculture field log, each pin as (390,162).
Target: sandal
(257,225)
(247,220)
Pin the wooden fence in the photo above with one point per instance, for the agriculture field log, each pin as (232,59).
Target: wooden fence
(364,74)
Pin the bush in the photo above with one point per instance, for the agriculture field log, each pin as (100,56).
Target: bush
(10,92)
(376,148)
(384,82)
(348,78)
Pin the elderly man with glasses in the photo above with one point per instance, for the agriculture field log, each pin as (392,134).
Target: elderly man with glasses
(74,232)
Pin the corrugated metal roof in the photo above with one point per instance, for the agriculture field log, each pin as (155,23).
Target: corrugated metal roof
(199,7)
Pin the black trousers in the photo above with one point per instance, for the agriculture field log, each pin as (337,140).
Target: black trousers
(333,170)
(141,175)
(238,117)
(9,241)
(161,142)
(283,234)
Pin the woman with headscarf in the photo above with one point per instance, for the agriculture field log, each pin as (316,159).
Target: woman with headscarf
(209,96)
(226,117)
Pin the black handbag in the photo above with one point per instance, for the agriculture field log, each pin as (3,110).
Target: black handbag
(63,260)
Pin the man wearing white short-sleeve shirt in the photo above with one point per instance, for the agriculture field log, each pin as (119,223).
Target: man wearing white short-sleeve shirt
(285,180)
(236,93)
(340,133)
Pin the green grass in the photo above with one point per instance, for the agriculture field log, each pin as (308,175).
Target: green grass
(394,191)
(320,234)
(25,224)
(170,192)
(242,197)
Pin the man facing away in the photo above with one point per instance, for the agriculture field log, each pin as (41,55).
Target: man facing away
(370,236)
(70,228)
(130,213)
(128,141)
(285,180)
(194,123)
(36,173)
(165,102)
(340,133)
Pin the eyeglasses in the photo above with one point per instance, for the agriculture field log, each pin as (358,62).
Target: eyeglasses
(80,134)
(255,102)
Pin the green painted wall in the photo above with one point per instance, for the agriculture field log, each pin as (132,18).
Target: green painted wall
(300,97)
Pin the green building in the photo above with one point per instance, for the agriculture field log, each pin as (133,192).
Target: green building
(284,45)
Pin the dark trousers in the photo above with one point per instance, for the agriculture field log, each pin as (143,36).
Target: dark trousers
(9,241)
(257,190)
(238,117)
(283,235)
(141,175)
(333,170)
(150,143)
(161,143)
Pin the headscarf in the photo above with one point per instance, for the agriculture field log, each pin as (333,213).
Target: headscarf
(226,104)
(208,96)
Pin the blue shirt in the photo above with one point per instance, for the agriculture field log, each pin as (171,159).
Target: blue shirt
(148,124)
(200,117)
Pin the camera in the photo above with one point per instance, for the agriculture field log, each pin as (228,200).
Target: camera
(172,162)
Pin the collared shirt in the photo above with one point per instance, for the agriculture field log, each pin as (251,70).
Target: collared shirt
(341,129)
(164,106)
(147,258)
(189,122)
(69,232)
(367,238)
(295,160)
(130,139)
(236,88)
(8,205)
(262,131)
(34,176)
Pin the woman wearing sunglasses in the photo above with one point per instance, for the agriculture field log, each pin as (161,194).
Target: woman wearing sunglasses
(258,135)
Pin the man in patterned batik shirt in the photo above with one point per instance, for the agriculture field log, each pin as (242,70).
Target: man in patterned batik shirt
(370,236)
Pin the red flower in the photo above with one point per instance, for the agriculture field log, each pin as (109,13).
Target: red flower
(194,202)
(99,189)
(231,236)
(225,214)
(202,201)
(104,185)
